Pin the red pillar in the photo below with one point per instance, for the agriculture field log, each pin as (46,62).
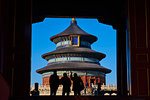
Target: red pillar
(99,80)
(89,81)
(95,78)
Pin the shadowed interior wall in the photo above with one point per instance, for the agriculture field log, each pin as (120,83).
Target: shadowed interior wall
(139,31)
(15,23)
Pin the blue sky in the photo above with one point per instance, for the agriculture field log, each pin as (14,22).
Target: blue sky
(41,44)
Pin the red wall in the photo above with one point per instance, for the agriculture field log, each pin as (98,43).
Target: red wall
(96,79)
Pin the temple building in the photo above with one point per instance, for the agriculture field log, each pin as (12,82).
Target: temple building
(74,54)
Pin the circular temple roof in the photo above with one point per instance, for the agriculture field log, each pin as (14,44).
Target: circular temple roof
(73,66)
(74,29)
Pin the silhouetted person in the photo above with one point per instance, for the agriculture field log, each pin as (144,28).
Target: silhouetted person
(99,88)
(77,84)
(35,92)
(54,83)
(65,81)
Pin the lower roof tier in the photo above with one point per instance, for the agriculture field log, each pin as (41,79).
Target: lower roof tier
(73,66)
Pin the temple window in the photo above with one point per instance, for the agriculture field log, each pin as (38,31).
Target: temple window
(63,43)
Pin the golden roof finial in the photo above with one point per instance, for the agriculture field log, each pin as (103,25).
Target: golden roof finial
(73,19)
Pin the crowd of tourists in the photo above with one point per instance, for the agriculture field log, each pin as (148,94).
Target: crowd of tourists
(54,81)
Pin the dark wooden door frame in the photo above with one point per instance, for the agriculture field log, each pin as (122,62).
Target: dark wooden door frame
(19,26)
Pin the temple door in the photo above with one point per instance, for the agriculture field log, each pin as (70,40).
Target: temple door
(15,43)
(139,35)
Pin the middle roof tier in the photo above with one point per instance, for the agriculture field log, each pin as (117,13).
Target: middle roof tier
(74,52)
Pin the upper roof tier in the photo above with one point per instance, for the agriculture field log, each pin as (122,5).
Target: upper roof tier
(74,29)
